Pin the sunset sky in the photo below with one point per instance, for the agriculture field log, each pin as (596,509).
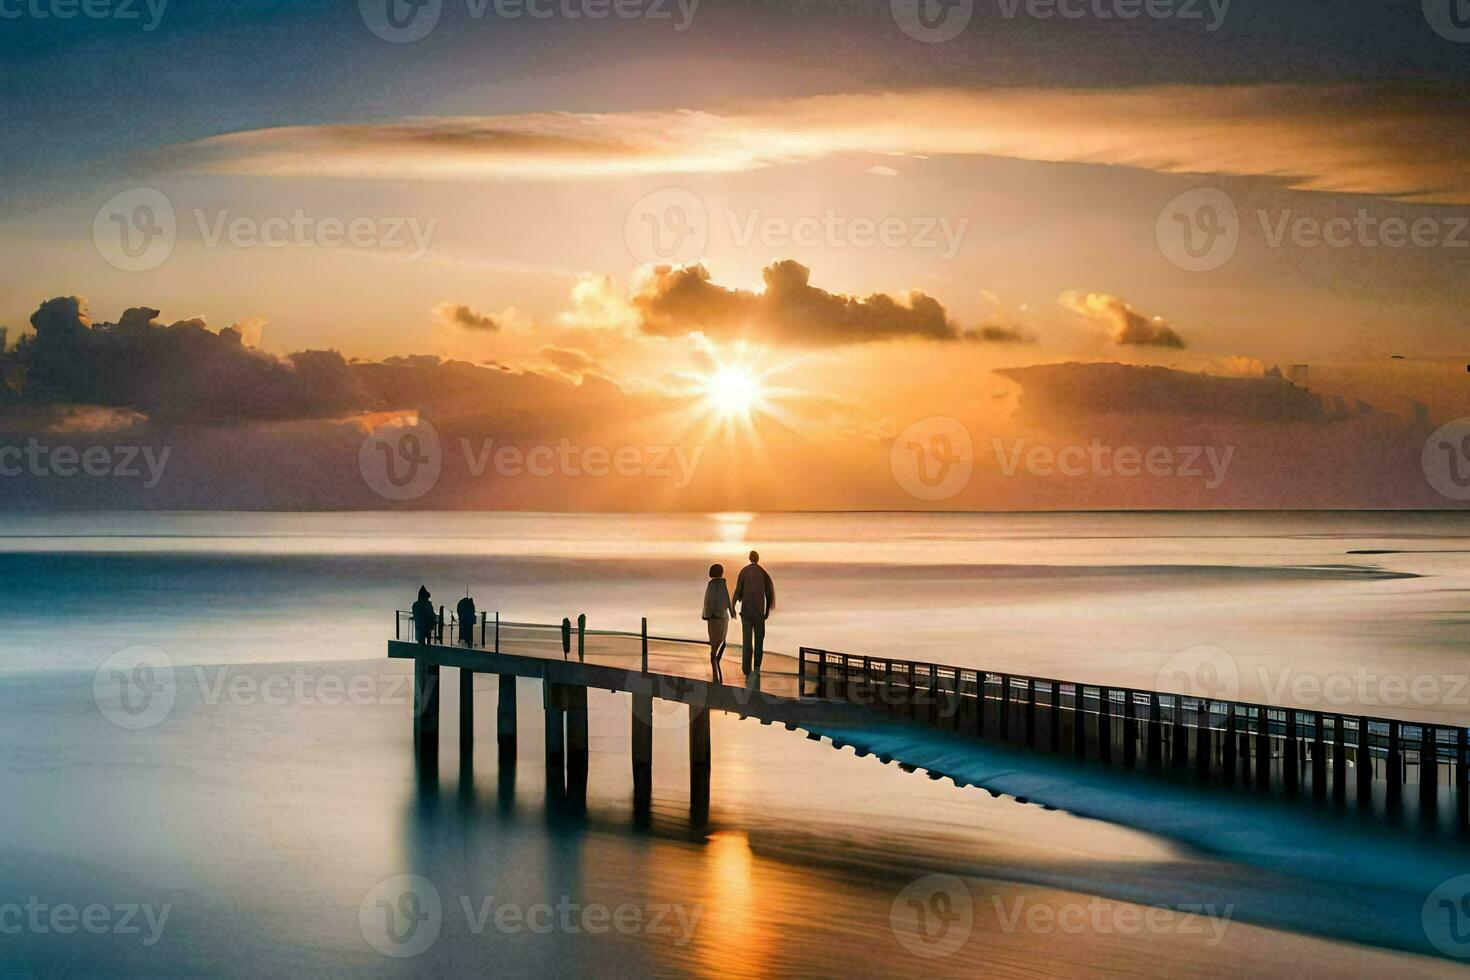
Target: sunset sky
(785,233)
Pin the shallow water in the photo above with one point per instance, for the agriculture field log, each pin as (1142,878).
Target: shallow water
(270,800)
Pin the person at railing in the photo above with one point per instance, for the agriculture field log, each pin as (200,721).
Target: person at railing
(718,608)
(756,594)
(424,618)
(465,612)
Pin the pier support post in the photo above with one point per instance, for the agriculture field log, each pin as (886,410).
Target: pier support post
(1203,742)
(556,751)
(1263,748)
(642,739)
(1179,750)
(1228,746)
(466,711)
(1005,707)
(574,702)
(1290,753)
(1130,730)
(1155,733)
(699,762)
(425,703)
(1462,776)
(1363,761)
(1054,726)
(1105,727)
(1339,758)
(1030,712)
(1079,728)
(1394,765)
(505,718)
(1428,770)
(1319,757)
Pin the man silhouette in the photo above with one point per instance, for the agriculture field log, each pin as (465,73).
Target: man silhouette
(423,616)
(465,612)
(756,595)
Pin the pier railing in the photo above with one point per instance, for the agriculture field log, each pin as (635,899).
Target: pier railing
(1210,738)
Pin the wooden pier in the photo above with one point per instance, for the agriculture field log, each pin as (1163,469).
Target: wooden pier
(1320,754)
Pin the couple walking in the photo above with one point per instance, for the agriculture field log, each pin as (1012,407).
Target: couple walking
(756,595)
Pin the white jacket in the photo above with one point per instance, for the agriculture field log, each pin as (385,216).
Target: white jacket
(716,600)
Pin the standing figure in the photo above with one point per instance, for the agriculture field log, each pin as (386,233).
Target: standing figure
(465,612)
(717,612)
(756,594)
(424,619)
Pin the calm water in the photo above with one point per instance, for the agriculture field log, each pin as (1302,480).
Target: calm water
(279,788)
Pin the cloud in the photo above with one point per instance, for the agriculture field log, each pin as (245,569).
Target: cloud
(1312,137)
(452,314)
(1081,391)
(1124,324)
(790,310)
(182,370)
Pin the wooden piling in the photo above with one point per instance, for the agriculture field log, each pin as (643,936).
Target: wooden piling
(1179,749)
(425,702)
(1228,759)
(1155,733)
(642,739)
(1363,761)
(1005,706)
(1130,729)
(574,702)
(1290,760)
(1203,741)
(1030,712)
(1428,769)
(699,762)
(644,633)
(1054,725)
(555,724)
(1079,727)
(1339,758)
(1462,776)
(505,718)
(466,711)
(1263,748)
(1319,758)
(1394,765)
(1105,726)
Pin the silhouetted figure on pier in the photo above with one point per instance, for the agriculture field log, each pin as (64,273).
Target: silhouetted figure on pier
(466,614)
(423,616)
(756,594)
(718,608)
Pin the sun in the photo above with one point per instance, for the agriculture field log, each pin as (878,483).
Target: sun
(732,392)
